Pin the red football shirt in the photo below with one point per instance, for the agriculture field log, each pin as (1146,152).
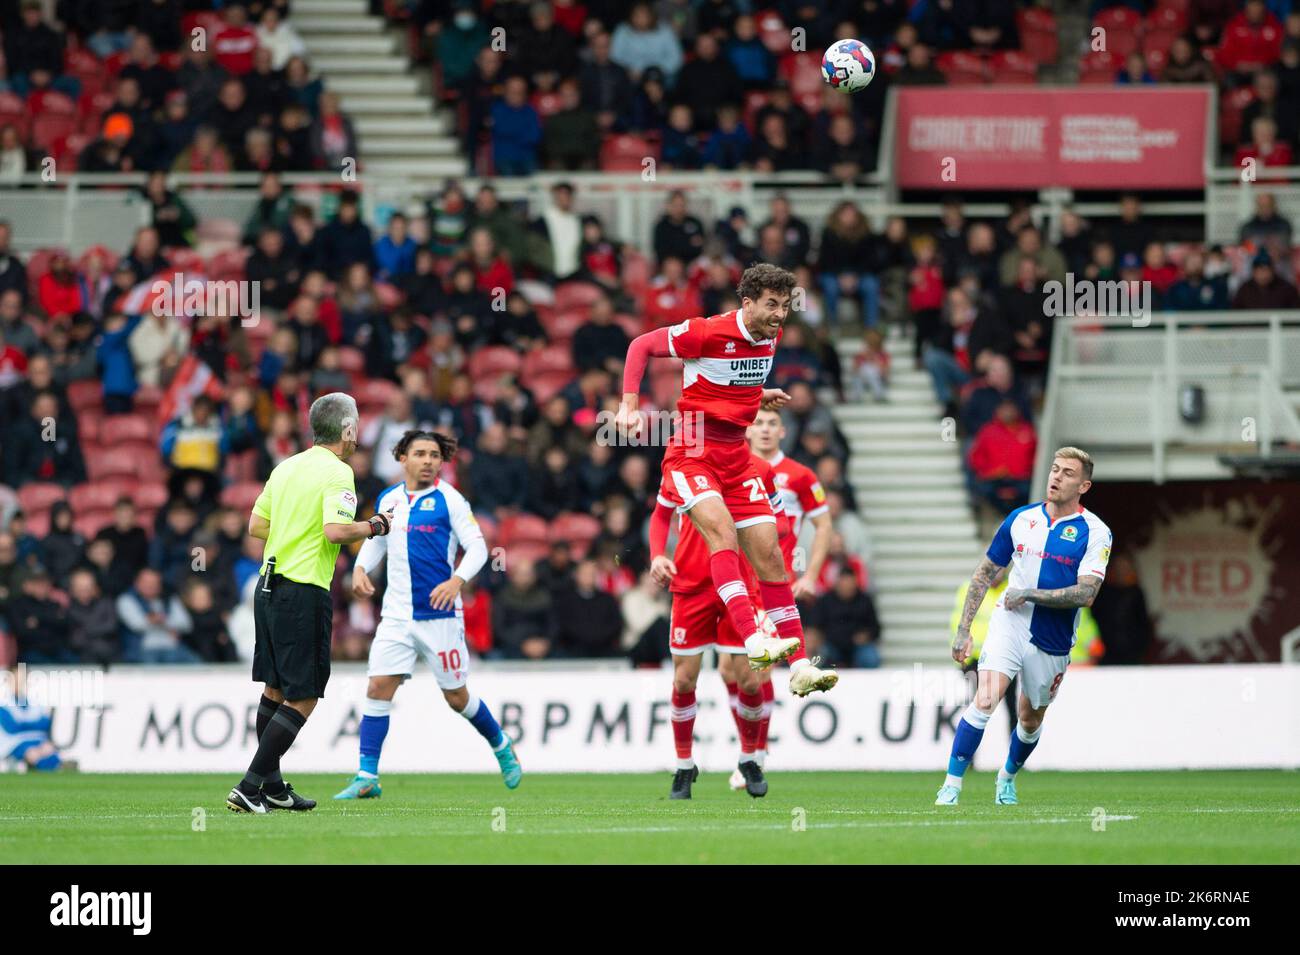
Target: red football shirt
(723,371)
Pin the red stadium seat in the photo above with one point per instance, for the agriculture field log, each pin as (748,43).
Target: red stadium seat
(184,259)
(1168,16)
(1122,44)
(1232,104)
(352,359)
(637,272)
(85,394)
(374,392)
(549,359)
(1157,60)
(574,527)
(754,101)
(13,112)
(40,496)
(94,495)
(1043,46)
(1158,41)
(561,325)
(569,295)
(92,522)
(494,361)
(116,430)
(962,67)
(147,400)
(534,551)
(634,325)
(1099,67)
(623,152)
(56,121)
(240,497)
(150,496)
(1118,20)
(38,523)
(665,391)
(1036,18)
(522,529)
(88,422)
(547,385)
(109,462)
(487,389)
(1012,66)
(228,264)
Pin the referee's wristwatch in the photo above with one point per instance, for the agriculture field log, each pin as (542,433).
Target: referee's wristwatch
(379,525)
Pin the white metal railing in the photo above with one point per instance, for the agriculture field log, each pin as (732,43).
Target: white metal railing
(1112,385)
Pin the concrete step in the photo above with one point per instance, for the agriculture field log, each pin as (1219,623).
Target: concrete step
(324,44)
(909,601)
(908,655)
(873,498)
(439,168)
(430,126)
(926,567)
(881,480)
(941,515)
(944,586)
(335,65)
(850,415)
(918,636)
(936,616)
(893,427)
(932,444)
(329,8)
(399,85)
(309,27)
(892,529)
(384,105)
(896,547)
(403,147)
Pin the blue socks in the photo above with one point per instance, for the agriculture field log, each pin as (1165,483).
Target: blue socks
(969,733)
(374,727)
(481,718)
(1022,744)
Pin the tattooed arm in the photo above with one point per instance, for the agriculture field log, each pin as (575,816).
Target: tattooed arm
(1081,594)
(980,583)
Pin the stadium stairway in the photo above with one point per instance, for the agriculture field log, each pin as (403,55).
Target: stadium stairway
(400,137)
(911,493)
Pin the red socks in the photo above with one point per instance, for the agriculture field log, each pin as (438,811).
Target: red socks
(724,565)
(768,696)
(778,601)
(683,720)
(749,715)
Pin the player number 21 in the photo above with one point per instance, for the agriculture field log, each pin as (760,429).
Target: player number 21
(755,486)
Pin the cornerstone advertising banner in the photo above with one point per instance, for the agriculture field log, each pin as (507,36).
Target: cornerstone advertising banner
(1082,137)
(180,719)
(1218,563)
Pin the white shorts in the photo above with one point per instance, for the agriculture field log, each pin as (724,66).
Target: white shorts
(440,642)
(1007,650)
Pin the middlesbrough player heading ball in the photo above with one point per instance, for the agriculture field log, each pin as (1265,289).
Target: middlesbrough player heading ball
(708,472)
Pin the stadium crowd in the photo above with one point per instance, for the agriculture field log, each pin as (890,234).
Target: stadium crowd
(133,441)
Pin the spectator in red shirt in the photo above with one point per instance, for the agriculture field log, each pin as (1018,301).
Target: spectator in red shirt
(1002,459)
(1265,148)
(234,46)
(58,290)
(492,273)
(1251,40)
(671,299)
(1157,269)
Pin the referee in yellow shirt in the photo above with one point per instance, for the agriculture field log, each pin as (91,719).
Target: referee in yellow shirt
(305,512)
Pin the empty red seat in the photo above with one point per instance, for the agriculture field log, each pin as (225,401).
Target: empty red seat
(550,358)
(1158,41)
(1012,66)
(94,495)
(634,325)
(624,152)
(107,462)
(1157,60)
(1099,66)
(547,385)
(116,430)
(1043,46)
(55,122)
(571,526)
(494,361)
(522,529)
(373,392)
(1036,18)
(637,273)
(241,496)
(1118,20)
(352,359)
(1167,17)
(561,325)
(570,295)
(40,496)
(1122,44)
(90,523)
(85,393)
(228,264)
(1232,104)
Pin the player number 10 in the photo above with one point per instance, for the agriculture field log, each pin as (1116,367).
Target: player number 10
(450,661)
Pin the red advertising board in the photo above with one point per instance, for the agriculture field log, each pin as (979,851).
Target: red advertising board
(1082,137)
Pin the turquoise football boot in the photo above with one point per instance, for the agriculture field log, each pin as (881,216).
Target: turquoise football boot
(362,787)
(947,796)
(1006,792)
(511,771)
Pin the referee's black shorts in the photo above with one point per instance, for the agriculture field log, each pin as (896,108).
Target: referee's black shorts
(294,623)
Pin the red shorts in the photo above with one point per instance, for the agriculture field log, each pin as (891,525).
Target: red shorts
(699,621)
(724,471)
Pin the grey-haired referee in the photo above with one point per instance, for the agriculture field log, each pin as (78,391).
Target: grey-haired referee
(304,513)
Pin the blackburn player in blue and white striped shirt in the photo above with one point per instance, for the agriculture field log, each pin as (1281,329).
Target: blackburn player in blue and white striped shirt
(1058,553)
(422,615)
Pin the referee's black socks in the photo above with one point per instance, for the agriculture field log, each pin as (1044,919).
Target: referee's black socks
(266,708)
(264,771)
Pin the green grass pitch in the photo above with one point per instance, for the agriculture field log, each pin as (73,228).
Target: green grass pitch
(1166,817)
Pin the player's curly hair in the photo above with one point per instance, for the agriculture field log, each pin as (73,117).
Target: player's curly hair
(446,446)
(765,277)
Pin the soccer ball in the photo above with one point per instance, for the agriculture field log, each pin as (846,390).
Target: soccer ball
(848,66)
(764,623)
